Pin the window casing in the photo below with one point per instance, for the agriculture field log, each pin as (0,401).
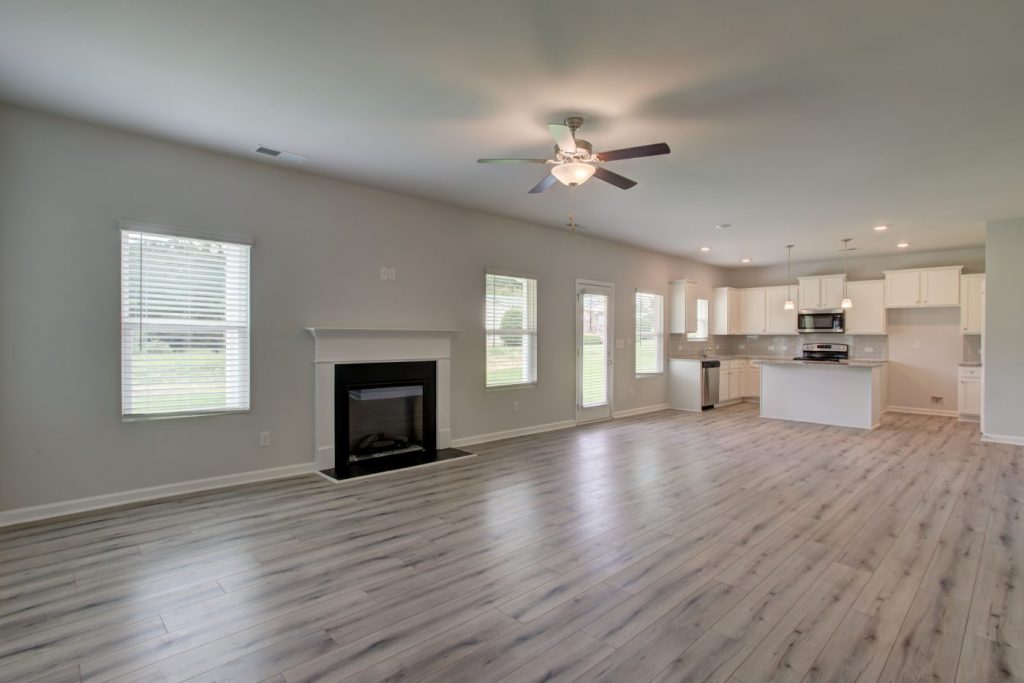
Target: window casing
(650,334)
(510,319)
(702,322)
(185,327)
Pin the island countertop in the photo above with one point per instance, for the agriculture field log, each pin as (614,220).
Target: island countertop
(841,364)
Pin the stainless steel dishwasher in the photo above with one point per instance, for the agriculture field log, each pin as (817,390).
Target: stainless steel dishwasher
(709,370)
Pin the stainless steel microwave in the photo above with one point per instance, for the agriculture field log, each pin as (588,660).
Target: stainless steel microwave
(808,322)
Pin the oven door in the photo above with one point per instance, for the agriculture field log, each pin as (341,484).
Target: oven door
(809,322)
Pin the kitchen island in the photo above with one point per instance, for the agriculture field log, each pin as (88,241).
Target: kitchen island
(847,394)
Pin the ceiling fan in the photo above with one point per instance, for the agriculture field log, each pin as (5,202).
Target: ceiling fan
(575,161)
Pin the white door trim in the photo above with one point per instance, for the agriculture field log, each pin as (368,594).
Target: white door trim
(610,287)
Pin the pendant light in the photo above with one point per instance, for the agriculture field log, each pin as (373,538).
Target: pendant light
(789,305)
(846,302)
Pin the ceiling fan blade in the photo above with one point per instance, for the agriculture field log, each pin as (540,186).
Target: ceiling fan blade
(621,182)
(634,152)
(544,184)
(511,161)
(563,137)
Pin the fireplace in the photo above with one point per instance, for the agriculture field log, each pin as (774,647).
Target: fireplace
(385,416)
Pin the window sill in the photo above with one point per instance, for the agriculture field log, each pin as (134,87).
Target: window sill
(506,387)
(647,375)
(178,416)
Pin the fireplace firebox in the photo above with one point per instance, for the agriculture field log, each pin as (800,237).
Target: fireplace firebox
(384,416)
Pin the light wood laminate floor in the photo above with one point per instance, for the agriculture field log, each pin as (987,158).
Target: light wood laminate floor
(668,547)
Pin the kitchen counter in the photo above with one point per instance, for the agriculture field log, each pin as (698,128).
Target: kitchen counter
(841,364)
(841,394)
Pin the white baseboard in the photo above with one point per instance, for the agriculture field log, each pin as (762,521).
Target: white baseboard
(921,411)
(511,433)
(72,507)
(1003,438)
(642,410)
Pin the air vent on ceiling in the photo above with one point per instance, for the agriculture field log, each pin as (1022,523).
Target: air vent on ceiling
(279,154)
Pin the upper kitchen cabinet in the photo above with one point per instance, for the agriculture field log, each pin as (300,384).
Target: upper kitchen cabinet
(682,307)
(752,311)
(821,292)
(923,287)
(725,316)
(868,313)
(972,303)
(779,320)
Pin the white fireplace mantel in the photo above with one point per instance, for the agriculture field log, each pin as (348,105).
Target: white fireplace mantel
(337,345)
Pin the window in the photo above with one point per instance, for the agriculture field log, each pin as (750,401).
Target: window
(184,324)
(650,337)
(702,322)
(511,322)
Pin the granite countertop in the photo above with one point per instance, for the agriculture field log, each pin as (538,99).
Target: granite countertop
(842,364)
(970,364)
(782,360)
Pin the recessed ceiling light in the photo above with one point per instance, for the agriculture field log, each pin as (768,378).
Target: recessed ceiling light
(723,226)
(903,245)
(744,260)
(881,228)
(705,249)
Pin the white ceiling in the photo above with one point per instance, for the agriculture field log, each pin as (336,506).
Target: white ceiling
(795,122)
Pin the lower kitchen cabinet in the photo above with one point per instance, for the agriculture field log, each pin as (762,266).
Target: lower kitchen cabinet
(752,379)
(969,392)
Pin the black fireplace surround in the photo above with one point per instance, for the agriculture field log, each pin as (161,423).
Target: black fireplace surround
(385,417)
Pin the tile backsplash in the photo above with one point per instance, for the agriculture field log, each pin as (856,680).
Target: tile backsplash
(782,346)
(972,348)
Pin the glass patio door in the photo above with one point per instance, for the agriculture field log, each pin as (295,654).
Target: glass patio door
(593,351)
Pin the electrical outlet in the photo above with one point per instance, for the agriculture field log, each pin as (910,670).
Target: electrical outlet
(632,391)
(383,272)
(869,349)
(392,274)
(917,343)
(742,346)
(771,347)
(515,406)
(264,439)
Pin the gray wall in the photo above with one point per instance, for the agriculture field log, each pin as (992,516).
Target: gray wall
(318,246)
(1004,329)
(860,268)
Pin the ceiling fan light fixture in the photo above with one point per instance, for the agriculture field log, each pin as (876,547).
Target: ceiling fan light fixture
(573,172)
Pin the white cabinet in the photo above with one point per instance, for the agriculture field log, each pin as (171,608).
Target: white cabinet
(821,292)
(902,289)
(730,381)
(725,317)
(969,394)
(940,287)
(972,303)
(682,307)
(923,287)
(868,313)
(752,379)
(752,311)
(779,320)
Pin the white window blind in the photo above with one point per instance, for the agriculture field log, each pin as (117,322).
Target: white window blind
(650,337)
(184,325)
(511,321)
(702,322)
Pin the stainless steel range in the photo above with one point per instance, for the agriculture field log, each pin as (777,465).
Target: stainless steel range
(825,353)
